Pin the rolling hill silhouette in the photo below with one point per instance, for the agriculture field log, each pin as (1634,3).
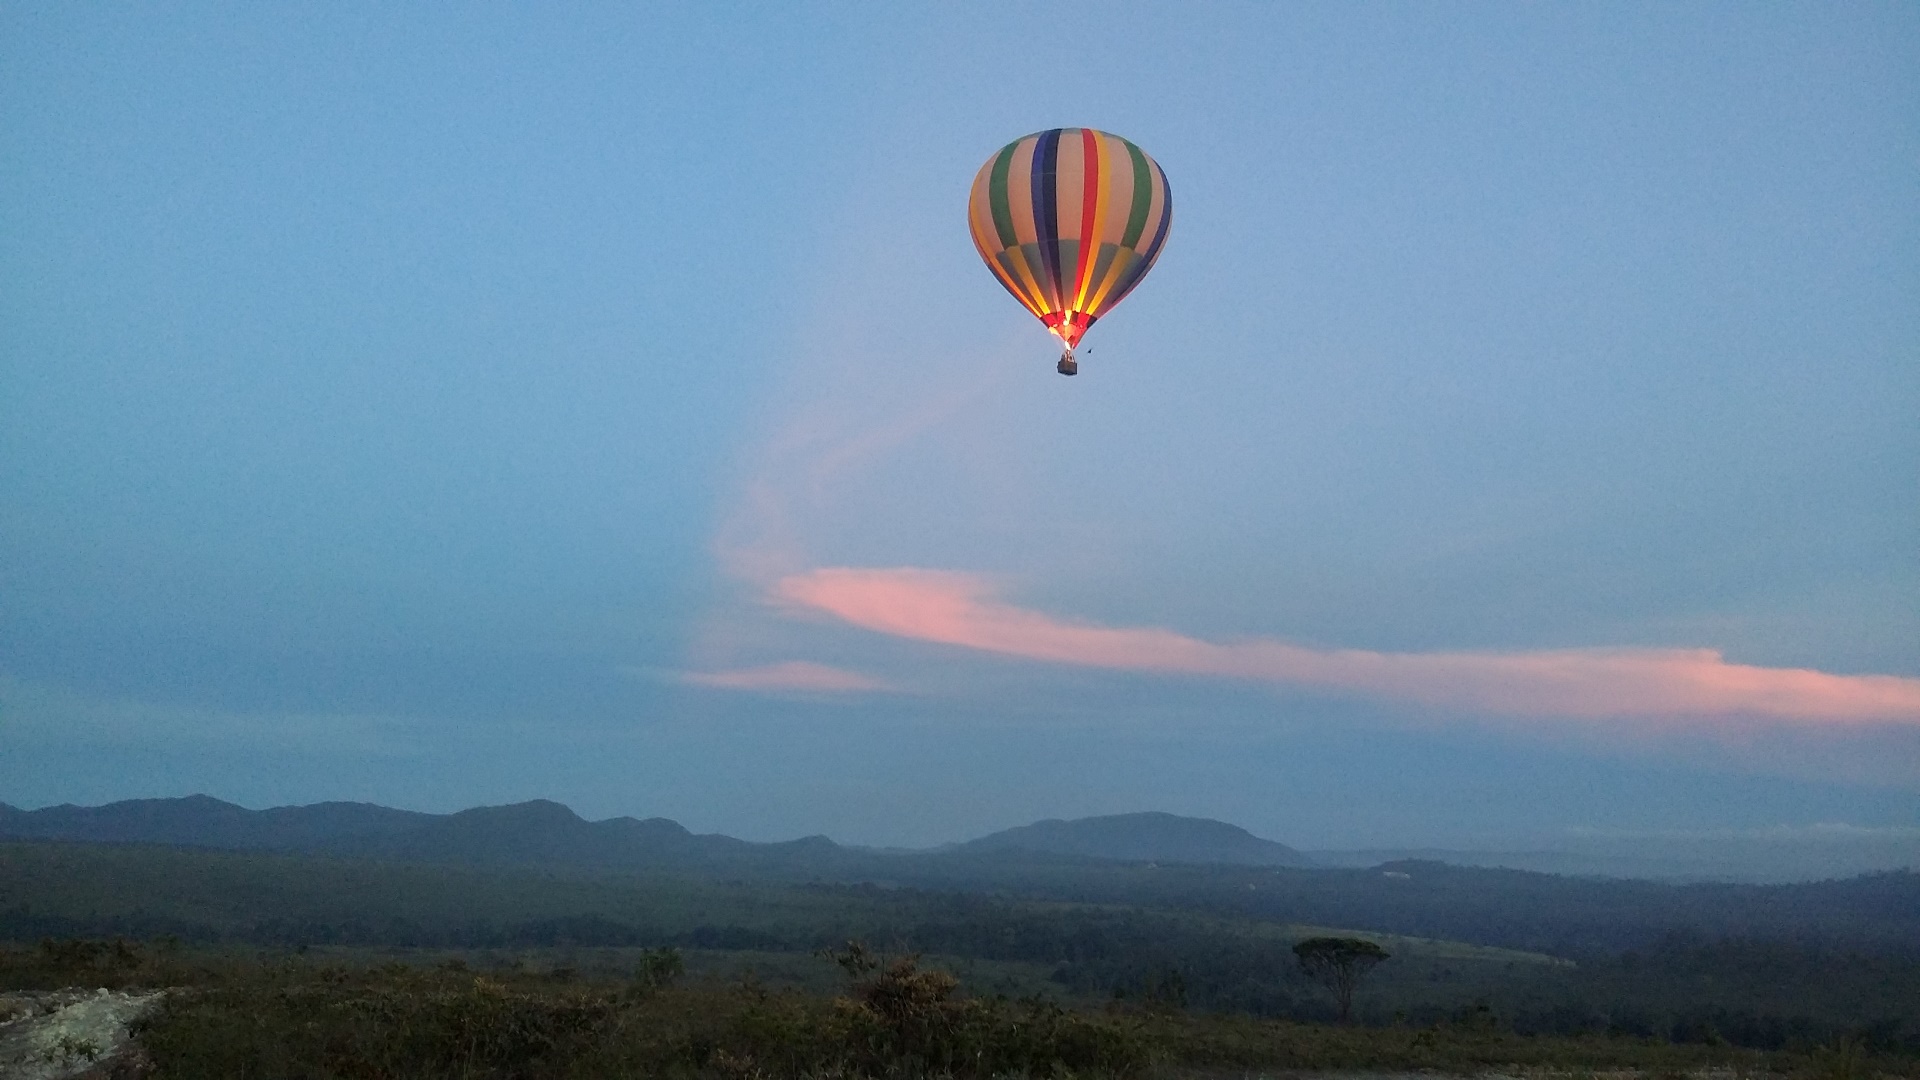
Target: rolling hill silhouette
(536,833)
(1144,837)
(542,832)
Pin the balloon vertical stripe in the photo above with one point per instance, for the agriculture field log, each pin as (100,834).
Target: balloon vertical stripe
(1142,196)
(1046,218)
(1165,197)
(1089,211)
(1002,213)
(1069,221)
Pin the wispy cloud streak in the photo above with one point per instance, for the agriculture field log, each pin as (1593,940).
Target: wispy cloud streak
(795,675)
(961,609)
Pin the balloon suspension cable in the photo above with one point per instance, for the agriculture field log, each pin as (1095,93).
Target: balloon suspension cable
(1068,366)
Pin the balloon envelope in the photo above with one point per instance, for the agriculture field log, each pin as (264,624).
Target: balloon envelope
(1070,220)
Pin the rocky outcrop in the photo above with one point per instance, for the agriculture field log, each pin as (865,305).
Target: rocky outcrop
(72,1034)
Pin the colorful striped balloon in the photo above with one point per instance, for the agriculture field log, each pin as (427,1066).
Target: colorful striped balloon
(1070,220)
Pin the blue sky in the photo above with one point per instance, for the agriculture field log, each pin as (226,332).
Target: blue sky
(456,406)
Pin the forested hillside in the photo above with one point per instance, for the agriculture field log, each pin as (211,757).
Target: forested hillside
(1757,990)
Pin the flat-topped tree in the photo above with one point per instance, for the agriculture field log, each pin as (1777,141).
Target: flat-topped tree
(1338,963)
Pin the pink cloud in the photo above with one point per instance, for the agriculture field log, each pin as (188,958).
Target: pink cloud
(793,675)
(961,609)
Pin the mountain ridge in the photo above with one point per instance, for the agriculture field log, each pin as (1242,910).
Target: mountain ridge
(545,832)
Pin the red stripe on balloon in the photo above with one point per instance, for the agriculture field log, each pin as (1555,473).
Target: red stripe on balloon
(1089,208)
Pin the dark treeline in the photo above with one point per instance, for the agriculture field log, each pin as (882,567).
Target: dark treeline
(1516,909)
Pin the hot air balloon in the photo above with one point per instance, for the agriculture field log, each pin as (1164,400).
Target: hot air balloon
(1070,220)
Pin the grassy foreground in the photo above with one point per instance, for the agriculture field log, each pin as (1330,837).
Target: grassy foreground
(239,1014)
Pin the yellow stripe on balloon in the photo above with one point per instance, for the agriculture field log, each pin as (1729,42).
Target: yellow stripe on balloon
(1103,200)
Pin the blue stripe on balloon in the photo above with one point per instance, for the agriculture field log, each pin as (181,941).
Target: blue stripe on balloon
(1046,207)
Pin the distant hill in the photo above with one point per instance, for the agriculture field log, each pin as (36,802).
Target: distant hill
(536,833)
(1145,837)
(203,821)
(544,833)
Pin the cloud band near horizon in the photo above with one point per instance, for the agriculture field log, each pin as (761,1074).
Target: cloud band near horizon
(962,610)
(799,676)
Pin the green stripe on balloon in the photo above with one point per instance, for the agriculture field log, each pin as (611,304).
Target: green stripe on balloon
(1142,197)
(997,196)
